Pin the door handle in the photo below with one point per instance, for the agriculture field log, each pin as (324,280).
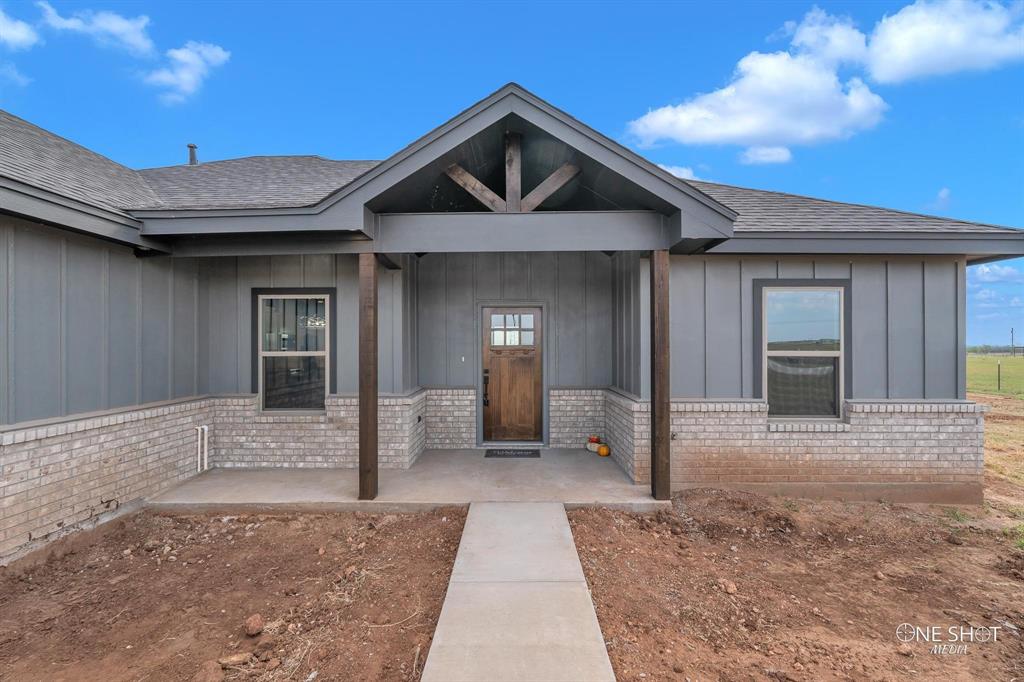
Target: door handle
(487,379)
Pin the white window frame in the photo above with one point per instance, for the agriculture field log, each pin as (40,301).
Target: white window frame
(325,353)
(840,354)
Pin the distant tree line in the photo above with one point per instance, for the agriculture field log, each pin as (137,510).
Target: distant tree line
(986,349)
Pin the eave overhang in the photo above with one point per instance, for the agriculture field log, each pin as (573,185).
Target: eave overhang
(976,246)
(33,203)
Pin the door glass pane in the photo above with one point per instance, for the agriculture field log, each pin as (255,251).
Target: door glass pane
(291,324)
(527,339)
(512,322)
(497,321)
(803,387)
(294,382)
(802,319)
(497,338)
(512,338)
(527,321)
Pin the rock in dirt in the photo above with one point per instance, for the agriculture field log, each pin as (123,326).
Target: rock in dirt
(254,625)
(727,585)
(350,573)
(209,672)
(954,539)
(273,663)
(234,660)
(879,576)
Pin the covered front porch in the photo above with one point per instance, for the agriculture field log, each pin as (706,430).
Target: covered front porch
(574,477)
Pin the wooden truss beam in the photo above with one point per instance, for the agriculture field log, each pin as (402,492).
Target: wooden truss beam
(513,172)
(477,189)
(551,184)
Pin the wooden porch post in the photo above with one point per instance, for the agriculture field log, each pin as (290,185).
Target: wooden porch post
(367,376)
(661,428)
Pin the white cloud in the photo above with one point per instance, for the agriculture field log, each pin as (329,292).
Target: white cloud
(833,40)
(933,38)
(942,199)
(16,34)
(1016,302)
(986,295)
(814,91)
(10,74)
(684,172)
(761,155)
(189,66)
(106,28)
(993,273)
(773,99)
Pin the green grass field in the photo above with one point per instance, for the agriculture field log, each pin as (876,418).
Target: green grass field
(981,375)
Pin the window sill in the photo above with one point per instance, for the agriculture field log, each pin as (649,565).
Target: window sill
(293,413)
(826,425)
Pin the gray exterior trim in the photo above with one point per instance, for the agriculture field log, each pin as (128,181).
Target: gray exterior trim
(546,230)
(265,244)
(30,202)
(758,329)
(990,246)
(332,292)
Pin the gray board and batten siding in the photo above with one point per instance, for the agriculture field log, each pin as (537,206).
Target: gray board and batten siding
(228,285)
(906,334)
(93,327)
(574,288)
(88,326)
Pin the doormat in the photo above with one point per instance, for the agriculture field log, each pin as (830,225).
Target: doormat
(509,452)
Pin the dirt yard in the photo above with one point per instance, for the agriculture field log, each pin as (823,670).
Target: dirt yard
(737,586)
(154,597)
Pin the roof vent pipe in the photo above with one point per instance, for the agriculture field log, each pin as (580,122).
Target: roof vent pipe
(192,159)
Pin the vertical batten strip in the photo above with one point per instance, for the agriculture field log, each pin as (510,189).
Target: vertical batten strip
(62,326)
(6,340)
(960,273)
(888,334)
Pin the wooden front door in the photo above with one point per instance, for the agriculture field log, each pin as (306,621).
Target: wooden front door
(513,380)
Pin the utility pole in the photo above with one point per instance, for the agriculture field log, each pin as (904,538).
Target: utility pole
(1013,348)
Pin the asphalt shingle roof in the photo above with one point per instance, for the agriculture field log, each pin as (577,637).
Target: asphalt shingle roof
(253,182)
(41,159)
(764,211)
(37,157)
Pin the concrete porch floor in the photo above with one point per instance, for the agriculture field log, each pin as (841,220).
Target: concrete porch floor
(439,477)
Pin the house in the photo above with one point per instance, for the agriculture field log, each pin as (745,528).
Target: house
(512,276)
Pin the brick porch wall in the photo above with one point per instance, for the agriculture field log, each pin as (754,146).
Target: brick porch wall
(242,436)
(450,418)
(63,475)
(574,414)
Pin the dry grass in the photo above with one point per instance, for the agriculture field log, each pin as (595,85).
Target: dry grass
(1004,437)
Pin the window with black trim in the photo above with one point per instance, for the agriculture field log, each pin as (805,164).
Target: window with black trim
(293,351)
(803,346)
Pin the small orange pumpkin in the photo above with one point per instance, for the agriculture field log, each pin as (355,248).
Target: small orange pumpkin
(604,450)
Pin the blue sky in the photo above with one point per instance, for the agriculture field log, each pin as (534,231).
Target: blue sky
(912,106)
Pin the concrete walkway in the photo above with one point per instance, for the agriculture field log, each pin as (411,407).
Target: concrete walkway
(518,606)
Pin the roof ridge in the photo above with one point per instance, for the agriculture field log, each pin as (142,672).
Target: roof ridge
(258,156)
(851,203)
